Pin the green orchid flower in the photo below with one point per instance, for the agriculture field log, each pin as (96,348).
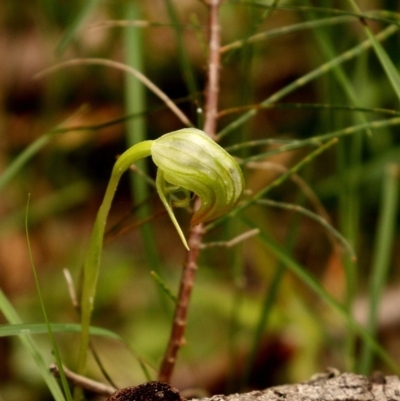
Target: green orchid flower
(188,161)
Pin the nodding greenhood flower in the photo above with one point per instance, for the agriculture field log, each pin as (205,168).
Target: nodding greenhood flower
(188,160)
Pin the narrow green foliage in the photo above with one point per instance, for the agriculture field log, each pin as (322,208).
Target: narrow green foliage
(361,175)
(387,64)
(309,106)
(48,326)
(309,77)
(272,33)
(326,48)
(299,209)
(87,8)
(135,103)
(382,255)
(19,162)
(164,286)
(16,329)
(374,15)
(186,67)
(313,284)
(11,315)
(52,204)
(317,140)
(268,302)
(16,166)
(123,67)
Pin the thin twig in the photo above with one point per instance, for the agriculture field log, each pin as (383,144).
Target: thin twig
(176,339)
(120,66)
(83,382)
(135,23)
(234,241)
(76,305)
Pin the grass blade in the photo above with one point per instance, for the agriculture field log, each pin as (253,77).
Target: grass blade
(272,33)
(55,203)
(13,169)
(387,64)
(135,102)
(186,67)
(88,7)
(381,260)
(11,315)
(9,330)
(161,283)
(55,349)
(123,67)
(324,223)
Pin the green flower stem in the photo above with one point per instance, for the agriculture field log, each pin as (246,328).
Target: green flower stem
(92,262)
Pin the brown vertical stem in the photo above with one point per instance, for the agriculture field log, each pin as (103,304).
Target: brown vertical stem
(212,89)
(177,339)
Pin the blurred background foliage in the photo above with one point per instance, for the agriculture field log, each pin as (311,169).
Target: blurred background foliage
(237,289)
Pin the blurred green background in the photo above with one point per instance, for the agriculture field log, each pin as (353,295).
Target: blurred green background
(252,323)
